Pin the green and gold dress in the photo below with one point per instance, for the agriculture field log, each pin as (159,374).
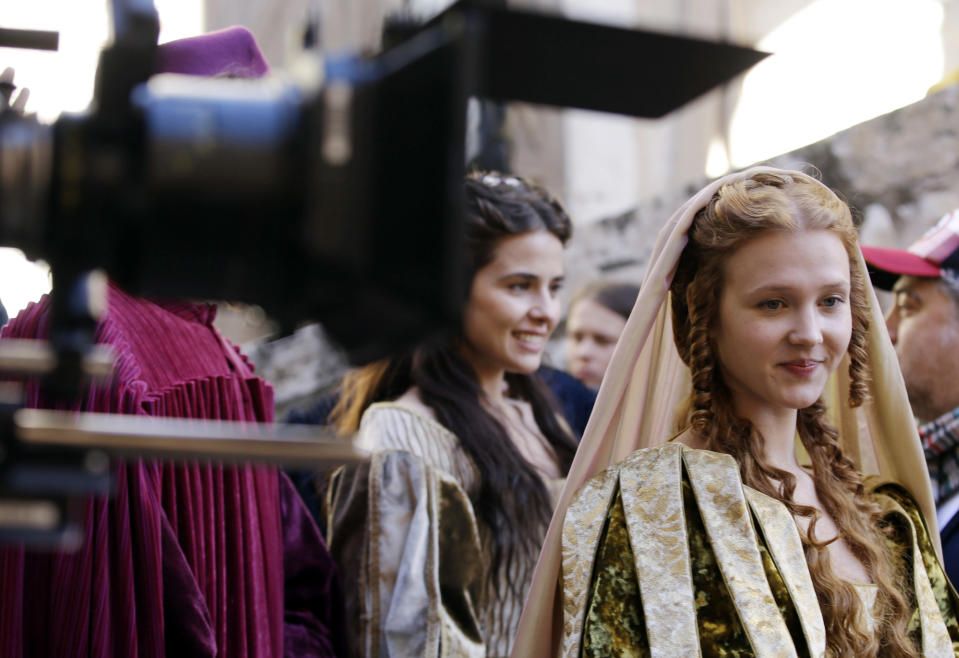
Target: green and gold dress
(669,554)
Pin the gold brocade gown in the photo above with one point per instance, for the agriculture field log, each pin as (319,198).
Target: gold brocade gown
(668,554)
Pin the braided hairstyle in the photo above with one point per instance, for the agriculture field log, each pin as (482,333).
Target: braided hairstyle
(738,212)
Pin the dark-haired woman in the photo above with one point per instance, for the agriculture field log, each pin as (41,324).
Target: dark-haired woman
(441,531)
(722,535)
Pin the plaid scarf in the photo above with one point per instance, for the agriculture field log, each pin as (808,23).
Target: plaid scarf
(940,443)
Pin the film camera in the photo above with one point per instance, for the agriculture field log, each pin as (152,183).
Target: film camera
(335,196)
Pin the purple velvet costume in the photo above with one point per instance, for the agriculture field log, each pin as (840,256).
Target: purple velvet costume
(188,559)
(192,559)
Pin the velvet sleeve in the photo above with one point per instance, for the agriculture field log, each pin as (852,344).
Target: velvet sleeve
(406,540)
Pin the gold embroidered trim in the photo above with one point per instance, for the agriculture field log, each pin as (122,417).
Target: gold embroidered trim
(935,636)
(786,549)
(582,526)
(722,504)
(651,488)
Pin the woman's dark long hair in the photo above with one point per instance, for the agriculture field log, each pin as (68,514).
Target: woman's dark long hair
(512,502)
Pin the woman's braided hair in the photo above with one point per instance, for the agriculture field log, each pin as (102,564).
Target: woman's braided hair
(738,212)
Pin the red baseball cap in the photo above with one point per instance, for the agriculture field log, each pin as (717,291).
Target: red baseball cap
(937,249)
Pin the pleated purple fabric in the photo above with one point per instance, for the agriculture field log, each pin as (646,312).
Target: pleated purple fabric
(184,559)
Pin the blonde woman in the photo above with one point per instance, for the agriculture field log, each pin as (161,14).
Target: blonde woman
(722,538)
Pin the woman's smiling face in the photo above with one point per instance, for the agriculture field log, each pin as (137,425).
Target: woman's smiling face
(784,319)
(513,305)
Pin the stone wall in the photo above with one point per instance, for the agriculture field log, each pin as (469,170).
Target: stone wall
(900,171)
(302,367)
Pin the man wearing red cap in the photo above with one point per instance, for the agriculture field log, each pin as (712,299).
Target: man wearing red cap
(923,324)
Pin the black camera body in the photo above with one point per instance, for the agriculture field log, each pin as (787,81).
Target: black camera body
(335,198)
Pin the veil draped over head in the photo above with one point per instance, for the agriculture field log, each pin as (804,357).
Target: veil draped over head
(647,382)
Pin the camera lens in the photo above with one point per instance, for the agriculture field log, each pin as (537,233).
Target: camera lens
(26,153)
